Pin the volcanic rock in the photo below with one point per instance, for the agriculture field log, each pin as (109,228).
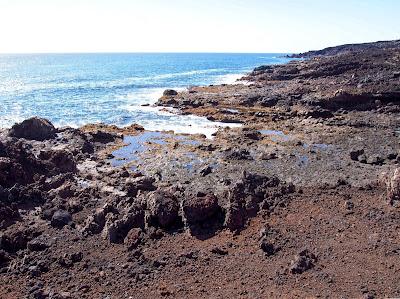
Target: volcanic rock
(170,92)
(302,262)
(61,218)
(39,244)
(163,208)
(199,208)
(34,129)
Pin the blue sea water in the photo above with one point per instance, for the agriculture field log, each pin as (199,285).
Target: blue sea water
(76,89)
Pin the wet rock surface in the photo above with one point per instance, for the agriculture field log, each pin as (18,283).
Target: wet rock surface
(298,200)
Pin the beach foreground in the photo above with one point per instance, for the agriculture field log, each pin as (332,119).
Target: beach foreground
(300,200)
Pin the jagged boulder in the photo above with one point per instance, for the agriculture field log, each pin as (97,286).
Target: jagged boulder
(163,208)
(251,193)
(94,224)
(61,218)
(197,209)
(34,128)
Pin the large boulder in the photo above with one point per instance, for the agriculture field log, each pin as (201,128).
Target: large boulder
(34,129)
(200,208)
(170,92)
(163,208)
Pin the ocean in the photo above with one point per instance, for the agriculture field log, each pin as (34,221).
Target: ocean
(76,89)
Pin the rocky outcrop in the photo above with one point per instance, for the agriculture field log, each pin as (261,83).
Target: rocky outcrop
(34,129)
(163,209)
(330,51)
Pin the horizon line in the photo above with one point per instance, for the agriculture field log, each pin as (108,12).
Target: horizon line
(140,52)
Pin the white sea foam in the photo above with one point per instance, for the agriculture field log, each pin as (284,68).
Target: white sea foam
(189,124)
(229,79)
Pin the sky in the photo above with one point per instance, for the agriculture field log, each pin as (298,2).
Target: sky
(261,26)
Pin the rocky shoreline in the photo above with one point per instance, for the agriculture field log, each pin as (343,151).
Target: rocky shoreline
(301,200)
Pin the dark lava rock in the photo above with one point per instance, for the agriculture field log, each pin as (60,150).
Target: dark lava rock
(170,92)
(250,194)
(235,216)
(58,161)
(268,247)
(164,208)
(39,244)
(8,210)
(304,261)
(14,241)
(34,129)
(143,183)
(69,259)
(268,156)
(133,239)
(4,258)
(319,113)
(356,153)
(375,160)
(206,171)
(200,208)
(219,251)
(104,137)
(238,154)
(251,134)
(263,68)
(94,224)
(61,218)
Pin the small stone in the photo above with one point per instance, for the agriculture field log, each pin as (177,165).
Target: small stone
(61,218)
(304,261)
(355,154)
(219,251)
(133,239)
(206,171)
(268,248)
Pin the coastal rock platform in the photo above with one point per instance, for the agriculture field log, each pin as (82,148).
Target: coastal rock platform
(300,200)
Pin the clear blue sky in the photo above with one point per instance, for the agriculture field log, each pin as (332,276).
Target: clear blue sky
(193,26)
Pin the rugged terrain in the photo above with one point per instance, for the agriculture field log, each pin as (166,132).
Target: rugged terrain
(299,201)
